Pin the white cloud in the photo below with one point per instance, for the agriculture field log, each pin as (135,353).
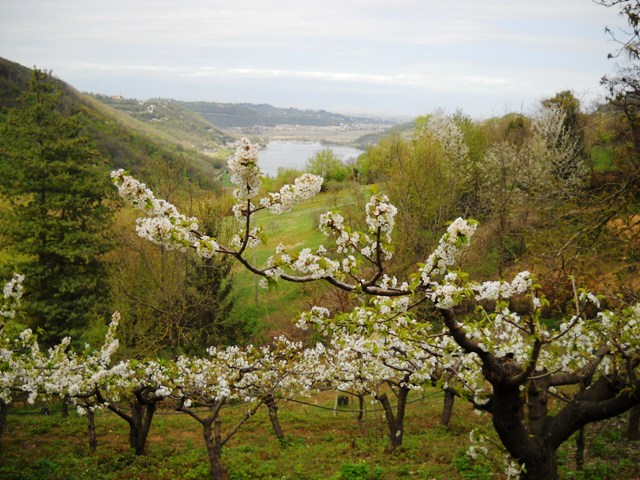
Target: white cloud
(486,48)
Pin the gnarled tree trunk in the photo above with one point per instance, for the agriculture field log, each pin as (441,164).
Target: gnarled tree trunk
(214,444)
(270,402)
(395,421)
(142,411)
(141,415)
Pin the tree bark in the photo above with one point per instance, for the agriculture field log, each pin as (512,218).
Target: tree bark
(139,428)
(545,467)
(91,429)
(3,416)
(214,449)
(603,399)
(535,444)
(580,444)
(580,438)
(273,418)
(139,423)
(633,427)
(447,409)
(395,421)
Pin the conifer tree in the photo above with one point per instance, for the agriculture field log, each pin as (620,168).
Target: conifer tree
(55,181)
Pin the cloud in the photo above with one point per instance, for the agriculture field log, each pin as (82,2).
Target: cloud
(433,82)
(455,49)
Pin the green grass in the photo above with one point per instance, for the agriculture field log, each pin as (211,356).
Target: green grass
(297,229)
(320,445)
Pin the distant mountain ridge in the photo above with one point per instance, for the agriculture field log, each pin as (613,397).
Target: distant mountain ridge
(237,115)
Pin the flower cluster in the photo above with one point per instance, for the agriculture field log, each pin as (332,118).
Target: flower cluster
(381,215)
(305,187)
(500,290)
(248,374)
(164,224)
(332,224)
(244,169)
(315,265)
(250,239)
(449,249)
(450,292)
(11,295)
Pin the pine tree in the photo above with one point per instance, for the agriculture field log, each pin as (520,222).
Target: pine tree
(56,183)
(209,306)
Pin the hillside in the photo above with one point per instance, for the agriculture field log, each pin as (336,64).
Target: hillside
(184,126)
(236,115)
(126,142)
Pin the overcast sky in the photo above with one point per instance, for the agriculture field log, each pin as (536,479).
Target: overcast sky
(397,57)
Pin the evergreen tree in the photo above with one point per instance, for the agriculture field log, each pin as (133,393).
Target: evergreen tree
(56,184)
(210,301)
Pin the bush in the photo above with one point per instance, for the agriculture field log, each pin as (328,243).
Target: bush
(359,471)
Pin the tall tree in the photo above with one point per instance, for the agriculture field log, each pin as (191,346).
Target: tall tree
(56,183)
(328,165)
(174,304)
(567,103)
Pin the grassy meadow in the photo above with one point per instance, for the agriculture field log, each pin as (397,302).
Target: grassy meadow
(276,309)
(321,444)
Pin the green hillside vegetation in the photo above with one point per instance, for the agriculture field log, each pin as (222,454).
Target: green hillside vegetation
(182,125)
(172,169)
(275,309)
(125,142)
(548,232)
(230,115)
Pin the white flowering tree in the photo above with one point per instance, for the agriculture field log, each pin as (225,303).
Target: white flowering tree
(519,176)
(293,371)
(371,354)
(240,378)
(11,295)
(513,363)
(77,377)
(58,372)
(132,390)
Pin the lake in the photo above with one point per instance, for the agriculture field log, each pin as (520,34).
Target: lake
(288,154)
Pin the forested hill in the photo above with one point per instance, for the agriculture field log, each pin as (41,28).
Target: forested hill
(231,115)
(125,141)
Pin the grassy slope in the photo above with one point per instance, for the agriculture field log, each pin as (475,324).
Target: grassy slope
(179,124)
(277,308)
